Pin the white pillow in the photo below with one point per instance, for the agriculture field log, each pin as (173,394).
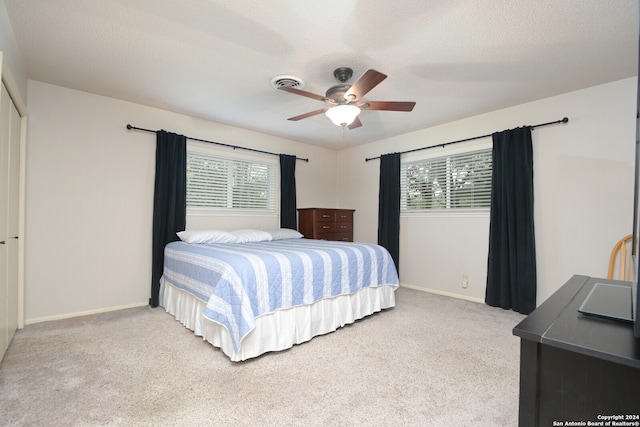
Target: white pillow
(284,233)
(206,236)
(248,236)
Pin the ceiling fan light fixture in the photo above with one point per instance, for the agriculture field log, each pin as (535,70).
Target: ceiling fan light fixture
(343,115)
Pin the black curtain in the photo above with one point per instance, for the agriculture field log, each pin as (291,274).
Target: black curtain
(389,206)
(511,266)
(169,201)
(288,192)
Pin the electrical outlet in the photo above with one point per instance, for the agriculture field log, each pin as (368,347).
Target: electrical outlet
(465,280)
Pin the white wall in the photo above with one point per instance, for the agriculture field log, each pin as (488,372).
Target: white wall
(89,197)
(583,183)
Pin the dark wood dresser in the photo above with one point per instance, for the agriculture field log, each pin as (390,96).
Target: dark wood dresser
(326,224)
(577,368)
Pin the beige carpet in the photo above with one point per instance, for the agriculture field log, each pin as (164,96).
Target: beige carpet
(431,360)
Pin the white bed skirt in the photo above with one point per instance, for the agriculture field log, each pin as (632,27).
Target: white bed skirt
(281,329)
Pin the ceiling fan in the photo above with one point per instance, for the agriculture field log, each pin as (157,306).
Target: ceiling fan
(346,100)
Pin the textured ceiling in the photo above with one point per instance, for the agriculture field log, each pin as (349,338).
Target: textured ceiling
(214,59)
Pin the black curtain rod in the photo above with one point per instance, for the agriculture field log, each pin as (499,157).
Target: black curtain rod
(219,143)
(563,120)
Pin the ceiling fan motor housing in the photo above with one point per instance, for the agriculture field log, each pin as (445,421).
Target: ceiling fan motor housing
(337,93)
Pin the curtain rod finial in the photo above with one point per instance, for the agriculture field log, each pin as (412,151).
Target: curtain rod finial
(129,127)
(565,119)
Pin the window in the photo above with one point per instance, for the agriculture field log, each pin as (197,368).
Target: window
(220,183)
(457,181)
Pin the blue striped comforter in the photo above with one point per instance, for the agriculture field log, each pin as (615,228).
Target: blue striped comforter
(240,282)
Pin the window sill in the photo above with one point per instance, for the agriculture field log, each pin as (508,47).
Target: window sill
(448,213)
(229,212)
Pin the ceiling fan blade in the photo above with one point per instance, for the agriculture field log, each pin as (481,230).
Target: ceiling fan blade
(309,114)
(303,93)
(387,105)
(370,79)
(355,124)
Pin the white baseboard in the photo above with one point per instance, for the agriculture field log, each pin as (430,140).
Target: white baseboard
(82,313)
(447,294)
(142,304)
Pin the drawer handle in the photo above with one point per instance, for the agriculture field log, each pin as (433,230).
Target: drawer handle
(325,226)
(325,216)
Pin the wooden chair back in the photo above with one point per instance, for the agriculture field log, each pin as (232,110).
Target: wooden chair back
(621,258)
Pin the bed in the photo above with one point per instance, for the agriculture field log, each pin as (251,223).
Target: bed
(249,296)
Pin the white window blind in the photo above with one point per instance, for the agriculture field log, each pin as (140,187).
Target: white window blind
(457,181)
(215,182)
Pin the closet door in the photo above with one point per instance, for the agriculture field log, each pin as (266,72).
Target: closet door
(9,217)
(5,126)
(13,219)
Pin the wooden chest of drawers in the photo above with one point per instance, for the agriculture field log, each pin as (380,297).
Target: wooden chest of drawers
(326,224)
